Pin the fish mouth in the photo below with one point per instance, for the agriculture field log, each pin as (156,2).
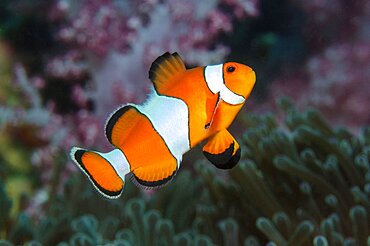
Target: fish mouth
(250,73)
(250,82)
(253,73)
(250,77)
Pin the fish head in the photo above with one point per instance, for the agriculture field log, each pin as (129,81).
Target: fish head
(232,82)
(239,78)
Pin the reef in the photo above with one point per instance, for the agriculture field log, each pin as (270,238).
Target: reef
(300,183)
(302,180)
(78,61)
(324,64)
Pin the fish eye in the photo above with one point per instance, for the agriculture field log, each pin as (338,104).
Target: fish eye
(230,69)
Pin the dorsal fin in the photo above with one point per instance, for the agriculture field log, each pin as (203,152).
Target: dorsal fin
(164,69)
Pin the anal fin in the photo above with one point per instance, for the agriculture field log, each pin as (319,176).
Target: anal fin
(154,176)
(222,150)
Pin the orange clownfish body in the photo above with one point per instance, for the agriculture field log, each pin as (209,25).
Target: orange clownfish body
(186,107)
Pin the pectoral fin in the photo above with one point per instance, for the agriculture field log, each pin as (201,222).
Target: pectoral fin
(222,150)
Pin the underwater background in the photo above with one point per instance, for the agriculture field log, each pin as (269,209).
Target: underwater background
(304,175)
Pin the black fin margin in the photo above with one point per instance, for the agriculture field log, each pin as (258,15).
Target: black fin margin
(113,120)
(109,194)
(152,185)
(232,162)
(226,159)
(156,63)
(221,158)
(78,157)
(160,60)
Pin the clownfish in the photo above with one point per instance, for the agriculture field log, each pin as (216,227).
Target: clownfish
(186,107)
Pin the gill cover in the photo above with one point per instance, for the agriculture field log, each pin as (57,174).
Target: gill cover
(214,76)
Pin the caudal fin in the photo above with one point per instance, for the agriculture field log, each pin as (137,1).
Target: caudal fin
(106,171)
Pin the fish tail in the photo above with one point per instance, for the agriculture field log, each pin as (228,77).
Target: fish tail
(106,171)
